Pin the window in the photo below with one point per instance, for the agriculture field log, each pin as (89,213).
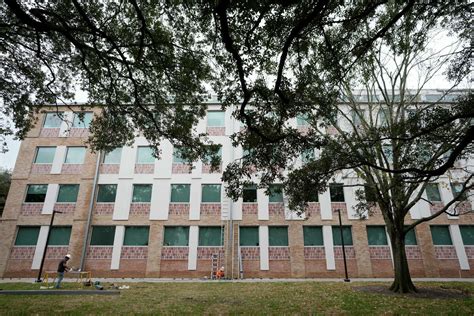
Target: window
(250,194)
(249,236)
(410,238)
(211,193)
(177,156)
(276,193)
(180,193)
(113,157)
(314,197)
(432,192)
(388,152)
(103,235)
(210,236)
(382,117)
(357,116)
(82,119)
(456,189)
(307,156)
(106,193)
(176,236)
(440,235)
(278,236)
(27,236)
(67,193)
(36,193)
(215,118)
(136,236)
(336,190)
(207,158)
(467,234)
(302,120)
(59,236)
(370,193)
(346,232)
(52,120)
(376,235)
(141,193)
(45,154)
(75,155)
(145,155)
(313,236)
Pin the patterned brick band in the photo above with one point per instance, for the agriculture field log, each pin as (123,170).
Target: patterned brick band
(134,252)
(350,252)
(140,209)
(216,131)
(41,168)
(99,252)
(445,252)
(174,253)
(79,132)
(65,208)
(249,208)
(144,168)
(304,130)
(181,168)
(314,252)
(109,168)
(339,206)
(49,132)
(380,252)
(278,253)
(207,252)
(56,252)
(469,252)
(413,252)
(207,169)
(211,209)
(31,209)
(104,208)
(276,209)
(179,209)
(22,253)
(250,253)
(313,209)
(72,168)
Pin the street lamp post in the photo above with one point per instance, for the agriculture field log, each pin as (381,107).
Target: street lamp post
(343,249)
(46,247)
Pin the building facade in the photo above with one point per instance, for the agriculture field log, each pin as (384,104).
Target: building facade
(127,214)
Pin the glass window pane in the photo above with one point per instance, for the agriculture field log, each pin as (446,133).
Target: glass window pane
(336,191)
(207,158)
(60,236)
(36,193)
(215,118)
(176,236)
(68,193)
(27,236)
(432,192)
(278,236)
(440,235)
(376,235)
(45,154)
(302,120)
(113,157)
(136,236)
(250,194)
(346,232)
(141,193)
(180,193)
(85,122)
(276,193)
(211,193)
(145,155)
(52,120)
(210,236)
(107,193)
(177,156)
(249,236)
(456,189)
(103,235)
(467,233)
(75,155)
(307,156)
(410,238)
(313,236)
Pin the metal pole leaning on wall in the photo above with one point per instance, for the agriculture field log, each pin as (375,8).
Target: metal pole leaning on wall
(46,247)
(343,249)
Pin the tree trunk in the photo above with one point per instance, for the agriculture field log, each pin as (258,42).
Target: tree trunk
(402,282)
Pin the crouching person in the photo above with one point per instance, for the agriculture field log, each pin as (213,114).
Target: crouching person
(62,268)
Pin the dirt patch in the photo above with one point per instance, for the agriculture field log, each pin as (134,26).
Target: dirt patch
(423,292)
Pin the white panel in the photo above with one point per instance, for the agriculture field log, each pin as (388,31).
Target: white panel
(127,162)
(447,196)
(50,199)
(66,124)
(226,205)
(329,247)
(263,242)
(117,250)
(227,152)
(389,245)
(459,246)
(164,165)
(193,245)
(237,210)
(423,206)
(160,200)
(262,200)
(229,122)
(43,234)
(195,200)
(59,157)
(201,125)
(197,169)
(351,202)
(325,204)
(123,198)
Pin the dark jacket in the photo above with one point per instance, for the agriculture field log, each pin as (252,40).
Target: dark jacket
(62,266)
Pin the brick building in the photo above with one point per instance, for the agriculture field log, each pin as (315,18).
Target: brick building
(127,214)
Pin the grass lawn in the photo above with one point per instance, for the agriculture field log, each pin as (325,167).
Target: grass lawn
(242,298)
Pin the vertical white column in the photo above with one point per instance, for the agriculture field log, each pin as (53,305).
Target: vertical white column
(195,200)
(262,203)
(389,242)
(237,210)
(351,202)
(329,247)
(447,196)
(127,162)
(40,245)
(164,165)
(59,157)
(160,199)
(201,125)
(123,198)
(193,245)
(459,247)
(229,124)
(117,250)
(325,204)
(263,242)
(196,172)
(66,124)
(50,199)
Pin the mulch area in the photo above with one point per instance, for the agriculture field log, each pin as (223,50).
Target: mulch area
(423,292)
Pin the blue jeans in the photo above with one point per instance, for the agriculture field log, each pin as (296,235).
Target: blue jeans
(60,278)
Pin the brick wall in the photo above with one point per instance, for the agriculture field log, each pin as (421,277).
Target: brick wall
(470,253)
(134,252)
(278,253)
(104,208)
(314,252)
(413,252)
(179,209)
(380,252)
(31,209)
(140,209)
(99,252)
(339,206)
(313,209)
(174,253)
(78,132)
(109,168)
(249,208)
(436,207)
(65,208)
(250,253)
(206,168)
(71,168)
(276,209)
(181,168)
(57,252)
(207,252)
(350,252)
(22,253)
(216,131)
(144,168)
(49,132)
(211,209)
(303,129)
(41,168)
(445,252)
